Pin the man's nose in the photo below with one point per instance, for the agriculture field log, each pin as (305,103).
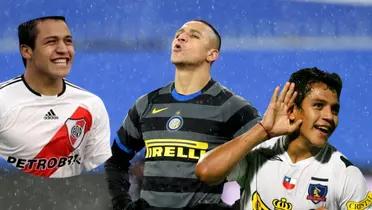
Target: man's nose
(183,37)
(61,47)
(327,113)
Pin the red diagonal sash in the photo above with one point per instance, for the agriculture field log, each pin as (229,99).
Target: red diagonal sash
(63,142)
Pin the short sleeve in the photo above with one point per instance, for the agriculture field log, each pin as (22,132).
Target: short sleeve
(243,116)
(354,191)
(238,172)
(98,148)
(129,136)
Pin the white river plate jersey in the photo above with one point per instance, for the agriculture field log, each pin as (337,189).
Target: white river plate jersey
(52,136)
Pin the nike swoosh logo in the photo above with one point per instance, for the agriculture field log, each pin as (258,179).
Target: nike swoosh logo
(155,110)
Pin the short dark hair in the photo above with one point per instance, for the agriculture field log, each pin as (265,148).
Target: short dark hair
(214,30)
(304,78)
(27,31)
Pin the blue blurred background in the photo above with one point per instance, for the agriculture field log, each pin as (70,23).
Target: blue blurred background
(123,50)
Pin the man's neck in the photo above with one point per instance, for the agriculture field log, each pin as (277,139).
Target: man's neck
(301,149)
(191,80)
(44,85)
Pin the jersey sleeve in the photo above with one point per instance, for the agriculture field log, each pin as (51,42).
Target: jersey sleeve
(353,190)
(238,172)
(245,169)
(244,116)
(129,136)
(128,141)
(98,148)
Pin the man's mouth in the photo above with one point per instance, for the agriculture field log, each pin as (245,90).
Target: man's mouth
(325,129)
(60,61)
(177,48)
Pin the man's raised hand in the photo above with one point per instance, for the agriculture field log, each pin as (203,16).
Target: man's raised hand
(276,118)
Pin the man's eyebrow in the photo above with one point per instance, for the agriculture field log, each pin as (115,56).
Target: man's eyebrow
(319,100)
(57,37)
(180,30)
(191,30)
(325,101)
(195,31)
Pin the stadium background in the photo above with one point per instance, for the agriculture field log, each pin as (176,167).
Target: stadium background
(123,50)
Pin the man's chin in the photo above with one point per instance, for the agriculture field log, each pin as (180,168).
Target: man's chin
(177,62)
(62,73)
(320,143)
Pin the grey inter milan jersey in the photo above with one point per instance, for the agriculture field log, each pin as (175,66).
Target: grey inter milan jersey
(176,133)
(272,181)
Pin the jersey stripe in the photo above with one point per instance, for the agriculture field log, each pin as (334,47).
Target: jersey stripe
(240,118)
(170,184)
(202,126)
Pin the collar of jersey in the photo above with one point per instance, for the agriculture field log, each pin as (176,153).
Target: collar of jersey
(38,94)
(181,97)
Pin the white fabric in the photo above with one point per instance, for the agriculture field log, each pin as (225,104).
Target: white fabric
(324,180)
(29,121)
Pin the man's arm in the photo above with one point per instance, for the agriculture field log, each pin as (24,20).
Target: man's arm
(117,177)
(128,142)
(217,163)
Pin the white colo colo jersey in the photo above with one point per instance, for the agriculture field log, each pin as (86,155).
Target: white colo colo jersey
(52,136)
(271,181)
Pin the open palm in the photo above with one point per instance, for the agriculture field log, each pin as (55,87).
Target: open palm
(276,120)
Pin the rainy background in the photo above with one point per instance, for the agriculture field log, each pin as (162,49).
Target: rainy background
(123,52)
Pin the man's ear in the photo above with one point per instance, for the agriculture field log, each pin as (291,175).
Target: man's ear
(25,51)
(212,55)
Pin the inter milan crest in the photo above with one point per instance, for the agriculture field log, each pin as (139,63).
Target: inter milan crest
(75,129)
(317,193)
(174,123)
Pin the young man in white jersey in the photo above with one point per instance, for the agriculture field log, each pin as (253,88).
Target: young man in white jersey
(299,170)
(48,126)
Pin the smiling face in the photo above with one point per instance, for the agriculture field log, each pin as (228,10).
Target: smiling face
(194,43)
(319,114)
(53,52)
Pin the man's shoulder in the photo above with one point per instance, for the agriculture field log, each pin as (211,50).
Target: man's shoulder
(275,144)
(11,83)
(227,93)
(13,89)
(344,172)
(81,95)
(218,88)
(154,93)
(72,88)
(339,162)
